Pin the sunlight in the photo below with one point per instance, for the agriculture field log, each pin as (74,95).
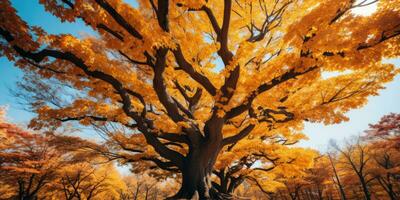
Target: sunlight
(330,74)
(135,100)
(365,10)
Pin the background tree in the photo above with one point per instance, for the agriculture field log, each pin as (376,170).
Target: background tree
(387,129)
(143,186)
(357,157)
(87,181)
(27,161)
(336,177)
(319,178)
(385,169)
(152,69)
(35,165)
(384,142)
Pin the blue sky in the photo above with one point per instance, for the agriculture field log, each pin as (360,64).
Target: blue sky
(319,134)
(29,10)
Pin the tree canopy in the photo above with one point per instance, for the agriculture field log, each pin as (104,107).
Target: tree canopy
(176,83)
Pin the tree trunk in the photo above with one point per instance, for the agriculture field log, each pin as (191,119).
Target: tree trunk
(228,189)
(388,187)
(341,190)
(147,193)
(235,182)
(320,192)
(21,189)
(391,193)
(196,173)
(137,192)
(228,183)
(22,193)
(364,186)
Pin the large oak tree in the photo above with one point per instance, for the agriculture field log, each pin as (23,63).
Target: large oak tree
(190,78)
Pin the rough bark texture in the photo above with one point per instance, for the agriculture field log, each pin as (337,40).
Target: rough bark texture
(196,172)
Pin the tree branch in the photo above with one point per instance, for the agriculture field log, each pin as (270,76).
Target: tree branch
(173,137)
(160,88)
(188,68)
(384,36)
(169,166)
(119,19)
(243,133)
(143,124)
(291,74)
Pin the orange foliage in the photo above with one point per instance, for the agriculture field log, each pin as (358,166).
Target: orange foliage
(186,79)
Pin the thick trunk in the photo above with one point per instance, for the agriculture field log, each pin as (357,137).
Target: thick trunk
(195,181)
(196,174)
(199,162)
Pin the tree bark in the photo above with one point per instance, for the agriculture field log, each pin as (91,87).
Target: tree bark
(23,194)
(228,183)
(196,172)
(387,186)
(341,190)
(364,186)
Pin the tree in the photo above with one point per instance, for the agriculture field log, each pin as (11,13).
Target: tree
(380,168)
(357,157)
(143,186)
(384,144)
(387,129)
(153,70)
(294,186)
(386,163)
(336,178)
(86,181)
(35,165)
(319,177)
(27,161)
